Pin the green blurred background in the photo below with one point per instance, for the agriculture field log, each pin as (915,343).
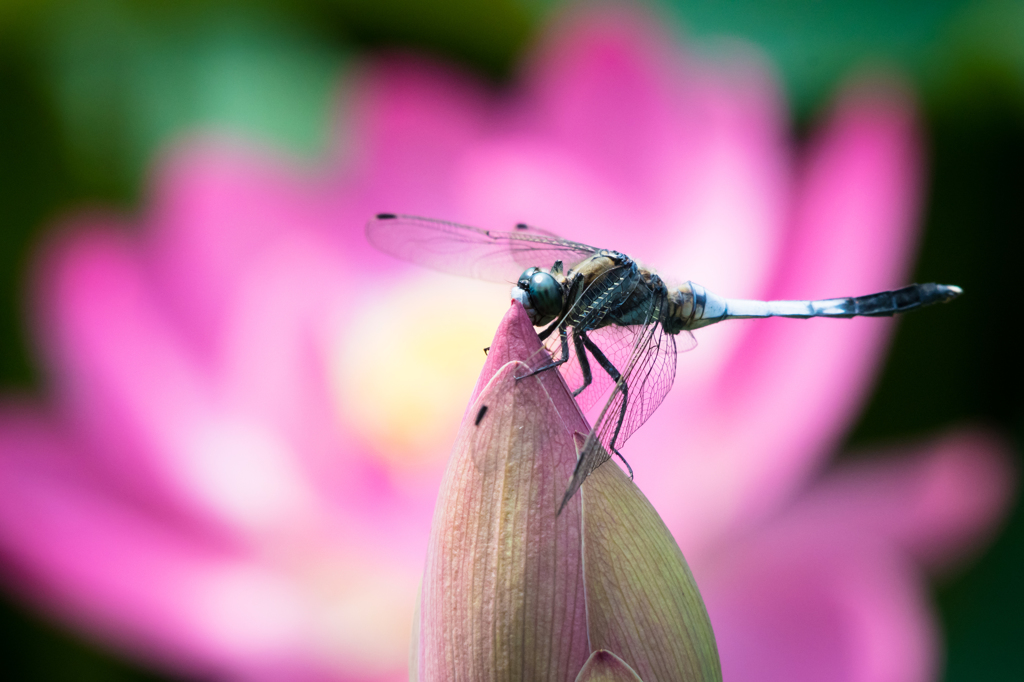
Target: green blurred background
(90,91)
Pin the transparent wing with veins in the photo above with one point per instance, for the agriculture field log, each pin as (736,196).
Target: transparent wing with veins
(646,377)
(491,255)
(617,343)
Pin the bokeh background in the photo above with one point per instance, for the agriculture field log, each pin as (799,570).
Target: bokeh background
(90,92)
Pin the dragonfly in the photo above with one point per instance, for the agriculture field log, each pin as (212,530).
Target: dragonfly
(609,324)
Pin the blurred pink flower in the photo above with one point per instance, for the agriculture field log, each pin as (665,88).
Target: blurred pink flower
(234,466)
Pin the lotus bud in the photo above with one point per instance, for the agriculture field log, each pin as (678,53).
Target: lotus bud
(512,590)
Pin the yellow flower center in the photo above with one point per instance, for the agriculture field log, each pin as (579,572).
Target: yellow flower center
(406,362)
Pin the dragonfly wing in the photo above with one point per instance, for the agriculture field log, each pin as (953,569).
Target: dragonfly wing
(643,353)
(646,380)
(471,251)
(616,342)
(649,379)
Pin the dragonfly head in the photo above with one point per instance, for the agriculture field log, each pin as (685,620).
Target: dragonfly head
(541,294)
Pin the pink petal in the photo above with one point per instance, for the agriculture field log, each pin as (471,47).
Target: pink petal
(108,345)
(938,502)
(829,589)
(67,531)
(414,119)
(167,591)
(621,141)
(784,614)
(181,443)
(610,87)
(216,205)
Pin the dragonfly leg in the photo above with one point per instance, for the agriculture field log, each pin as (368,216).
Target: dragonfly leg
(564,339)
(628,468)
(614,373)
(581,355)
(550,328)
(599,355)
(618,427)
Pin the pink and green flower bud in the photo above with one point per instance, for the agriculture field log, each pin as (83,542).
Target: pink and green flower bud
(512,590)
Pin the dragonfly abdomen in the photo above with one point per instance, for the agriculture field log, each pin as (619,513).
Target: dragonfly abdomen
(696,307)
(886,303)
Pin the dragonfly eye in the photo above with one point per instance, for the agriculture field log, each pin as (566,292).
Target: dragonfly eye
(524,279)
(546,294)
